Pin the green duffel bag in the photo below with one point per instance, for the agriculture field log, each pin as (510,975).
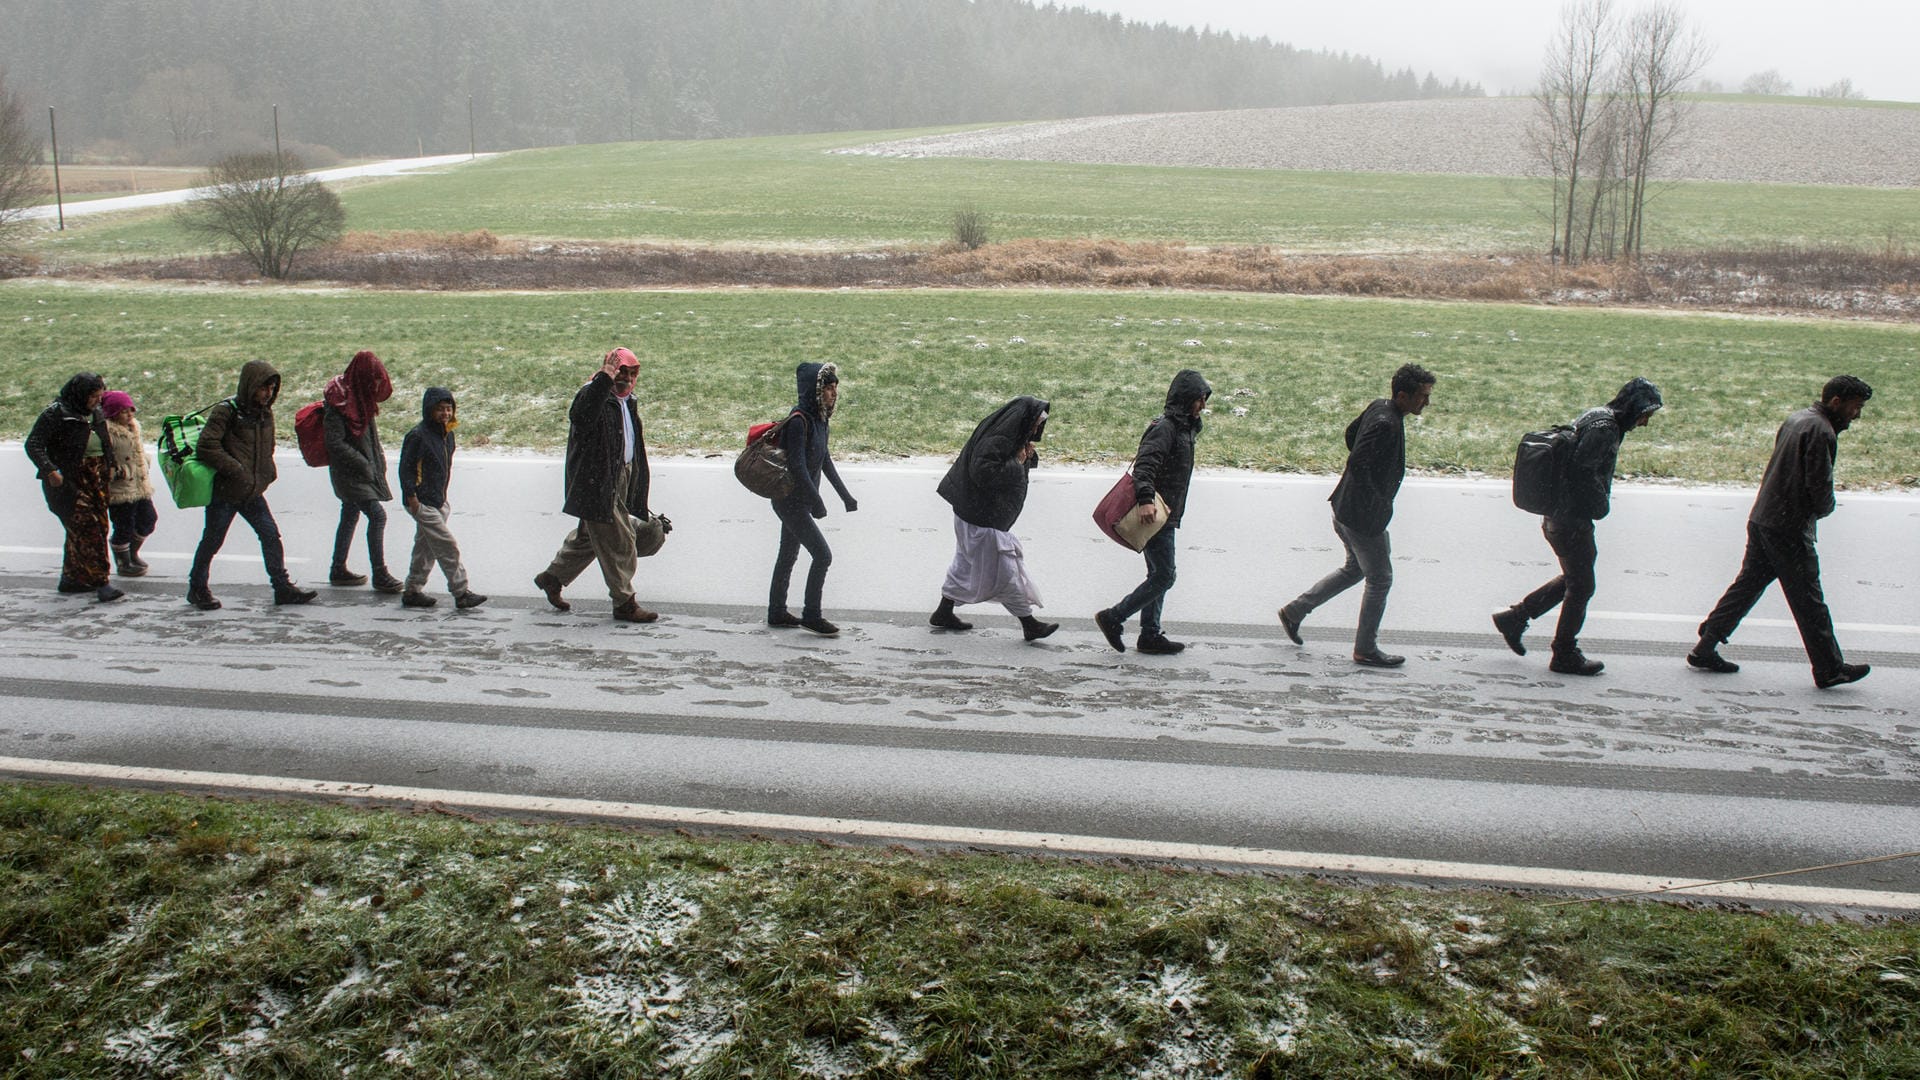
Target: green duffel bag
(188,478)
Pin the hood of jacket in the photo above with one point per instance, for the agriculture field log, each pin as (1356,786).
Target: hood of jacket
(1014,422)
(255,374)
(1188,386)
(358,391)
(1636,399)
(74,395)
(808,380)
(433,397)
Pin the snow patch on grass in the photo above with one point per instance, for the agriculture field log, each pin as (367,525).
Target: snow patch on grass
(628,927)
(152,1048)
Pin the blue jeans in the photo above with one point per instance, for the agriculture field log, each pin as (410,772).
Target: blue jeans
(376,532)
(1151,594)
(220,515)
(797,530)
(1369,559)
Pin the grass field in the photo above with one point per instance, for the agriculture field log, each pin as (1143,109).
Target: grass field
(921,367)
(790,190)
(157,935)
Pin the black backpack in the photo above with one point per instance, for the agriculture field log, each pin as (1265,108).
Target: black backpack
(1540,469)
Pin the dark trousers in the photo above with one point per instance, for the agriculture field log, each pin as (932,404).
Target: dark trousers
(1369,559)
(1572,541)
(1791,559)
(220,515)
(797,530)
(1151,595)
(376,532)
(132,521)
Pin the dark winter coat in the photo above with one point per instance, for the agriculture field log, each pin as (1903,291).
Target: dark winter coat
(1596,448)
(805,442)
(1376,463)
(356,464)
(987,484)
(595,449)
(426,454)
(1163,465)
(58,441)
(238,439)
(1798,487)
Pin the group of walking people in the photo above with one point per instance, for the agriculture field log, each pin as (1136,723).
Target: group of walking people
(92,464)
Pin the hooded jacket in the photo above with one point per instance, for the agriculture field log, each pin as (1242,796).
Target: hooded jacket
(426,454)
(1164,463)
(596,445)
(1797,489)
(987,483)
(59,439)
(1376,464)
(356,462)
(1596,448)
(805,442)
(238,439)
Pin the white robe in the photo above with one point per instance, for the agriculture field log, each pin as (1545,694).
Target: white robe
(989,565)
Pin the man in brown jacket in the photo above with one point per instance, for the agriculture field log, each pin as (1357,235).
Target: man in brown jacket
(238,444)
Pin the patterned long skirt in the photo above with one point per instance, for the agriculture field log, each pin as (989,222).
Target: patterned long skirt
(86,554)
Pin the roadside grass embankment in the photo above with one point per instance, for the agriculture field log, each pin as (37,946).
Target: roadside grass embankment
(153,934)
(921,368)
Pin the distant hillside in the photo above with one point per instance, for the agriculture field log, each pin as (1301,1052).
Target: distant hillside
(1771,142)
(182,79)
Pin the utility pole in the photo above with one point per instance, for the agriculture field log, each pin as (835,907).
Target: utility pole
(279,163)
(470,145)
(59,208)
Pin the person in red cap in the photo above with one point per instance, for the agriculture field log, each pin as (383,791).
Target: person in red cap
(130,491)
(606,488)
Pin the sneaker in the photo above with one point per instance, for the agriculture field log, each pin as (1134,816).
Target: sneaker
(631,611)
(783,618)
(1292,626)
(202,599)
(1376,658)
(292,594)
(108,592)
(550,585)
(1158,645)
(1574,662)
(1845,674)
(343,577)
(819,626)
(1111,627)
(1711,660)
(384,582)
(1033,629)
(468,599)
(1512,623)
(416,598)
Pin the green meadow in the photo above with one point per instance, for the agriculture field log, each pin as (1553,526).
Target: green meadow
(921,367)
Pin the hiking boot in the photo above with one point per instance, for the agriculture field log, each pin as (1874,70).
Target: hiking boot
(1111,627)
(384,582)
(631,611)
(1709,659)
(1376,658)
(344,577)
(1158,645)
(1842,675)
(1033,629)
(416,598)
(108,592)
(290,594)
(783,619)
(1512,623)
(819,626)
(468,599)
(944,618)
(1292,626)
(550,585)
(1574,662)
(133,555)
(202,599)
(124,565)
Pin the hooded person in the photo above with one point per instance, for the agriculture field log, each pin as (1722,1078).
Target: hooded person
(1795,493)
(357,466)
(987,487)
(71,453)
(130,492)
(804,439)
(237,443)
(425,472)
(606,488)
(1163,468)
(1584,499)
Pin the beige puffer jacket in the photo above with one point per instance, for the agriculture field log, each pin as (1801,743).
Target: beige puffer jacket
(130,482)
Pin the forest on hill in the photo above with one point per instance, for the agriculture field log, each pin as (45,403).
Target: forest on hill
(185,80)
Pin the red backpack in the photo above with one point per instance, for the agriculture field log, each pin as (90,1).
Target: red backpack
(310,428)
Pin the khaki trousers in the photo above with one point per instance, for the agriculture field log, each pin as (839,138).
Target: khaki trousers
(433,543)
(610,543)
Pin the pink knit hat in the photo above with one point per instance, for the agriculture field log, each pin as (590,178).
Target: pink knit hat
(115,402)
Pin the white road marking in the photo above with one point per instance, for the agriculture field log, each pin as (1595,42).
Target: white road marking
(1253,858)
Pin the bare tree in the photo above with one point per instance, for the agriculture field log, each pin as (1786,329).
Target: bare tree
(1769,83)
(267,207)
(1659,55)
(1839,90)
(185,111)
(1570,105)
(21,182)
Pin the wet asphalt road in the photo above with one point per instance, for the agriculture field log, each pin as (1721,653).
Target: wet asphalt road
(1468,754)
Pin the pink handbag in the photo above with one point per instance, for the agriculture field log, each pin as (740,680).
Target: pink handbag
(1115,517)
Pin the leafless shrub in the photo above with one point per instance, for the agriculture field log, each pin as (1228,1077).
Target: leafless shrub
(264,205)
(970,227)
(20,180)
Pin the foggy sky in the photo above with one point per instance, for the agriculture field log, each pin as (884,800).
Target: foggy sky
(1499,43)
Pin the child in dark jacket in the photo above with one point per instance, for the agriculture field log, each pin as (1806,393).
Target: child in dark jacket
(426,465)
